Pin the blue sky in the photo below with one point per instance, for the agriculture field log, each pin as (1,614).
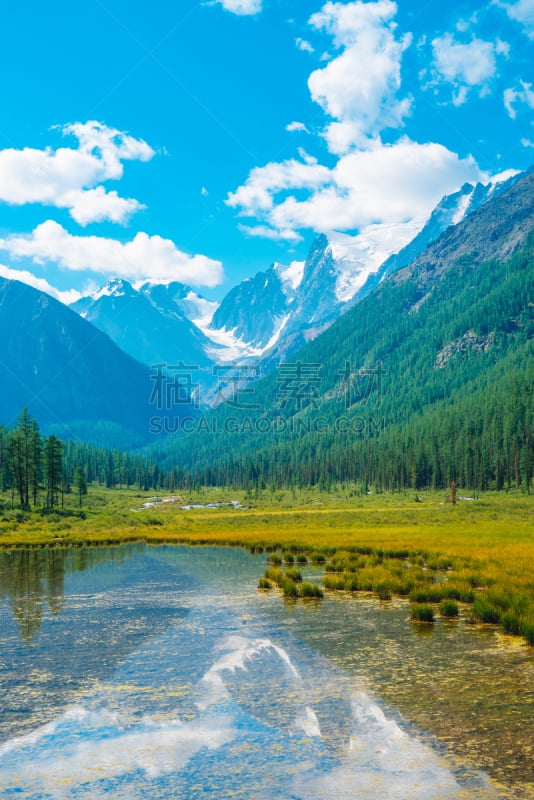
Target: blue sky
(201,141)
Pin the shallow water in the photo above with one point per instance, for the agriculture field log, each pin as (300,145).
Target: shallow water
(159,672)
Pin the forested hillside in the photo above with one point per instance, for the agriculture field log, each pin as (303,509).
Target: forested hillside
(429,379)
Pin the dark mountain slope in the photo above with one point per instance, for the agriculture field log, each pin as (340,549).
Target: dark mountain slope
(65,370)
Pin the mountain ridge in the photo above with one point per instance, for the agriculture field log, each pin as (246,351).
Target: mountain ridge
(65,370)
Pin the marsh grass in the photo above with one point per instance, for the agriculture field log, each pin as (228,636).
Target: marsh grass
(274,574)
(289,587)
(294,575)
(421,612)
(430,580)
(336,582)
(449,608)
(383,590)
(312,590)
(426,594)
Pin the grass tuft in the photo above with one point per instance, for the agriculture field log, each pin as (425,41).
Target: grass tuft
(294,575)
(448,608)
(289,587)
(383,590)
(307,589)
(421,612)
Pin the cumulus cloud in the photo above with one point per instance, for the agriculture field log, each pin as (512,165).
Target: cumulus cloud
(257,194)
(71,178)
(465,66)
(522,11)
(146,258)
(241,7)
(523,95)
(384,184)
(24,276)
(359,87)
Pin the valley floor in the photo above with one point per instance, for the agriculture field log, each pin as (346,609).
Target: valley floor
(479,552)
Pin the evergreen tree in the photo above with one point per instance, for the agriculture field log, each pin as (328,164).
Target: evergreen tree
(36,465)
(53,453)
(25,458)
(80,483)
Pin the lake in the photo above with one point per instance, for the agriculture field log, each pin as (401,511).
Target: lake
(162,672)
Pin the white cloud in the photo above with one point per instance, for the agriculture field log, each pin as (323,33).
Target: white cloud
(42,284)
(522,11)
(297,126)
(146,258)
(463,25)
(523,95)
(241,7)
(256,194)
(465,66)
(265,232)
(99,205)
(502,48)
(112,146)
(304,45)
(70,178)
(384,184)
(358,88)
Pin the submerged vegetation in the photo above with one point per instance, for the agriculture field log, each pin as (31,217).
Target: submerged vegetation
(290,582)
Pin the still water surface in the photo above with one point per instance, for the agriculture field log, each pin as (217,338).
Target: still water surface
(161,672)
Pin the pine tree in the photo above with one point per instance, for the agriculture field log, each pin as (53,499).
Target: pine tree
(80,483)
(24,455)
(53,453)
(36,464)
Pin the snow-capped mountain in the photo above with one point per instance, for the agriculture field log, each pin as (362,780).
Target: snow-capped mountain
(253,314)
(450,211)
(269,317)
(168,297)
(149,323)
(261,312)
